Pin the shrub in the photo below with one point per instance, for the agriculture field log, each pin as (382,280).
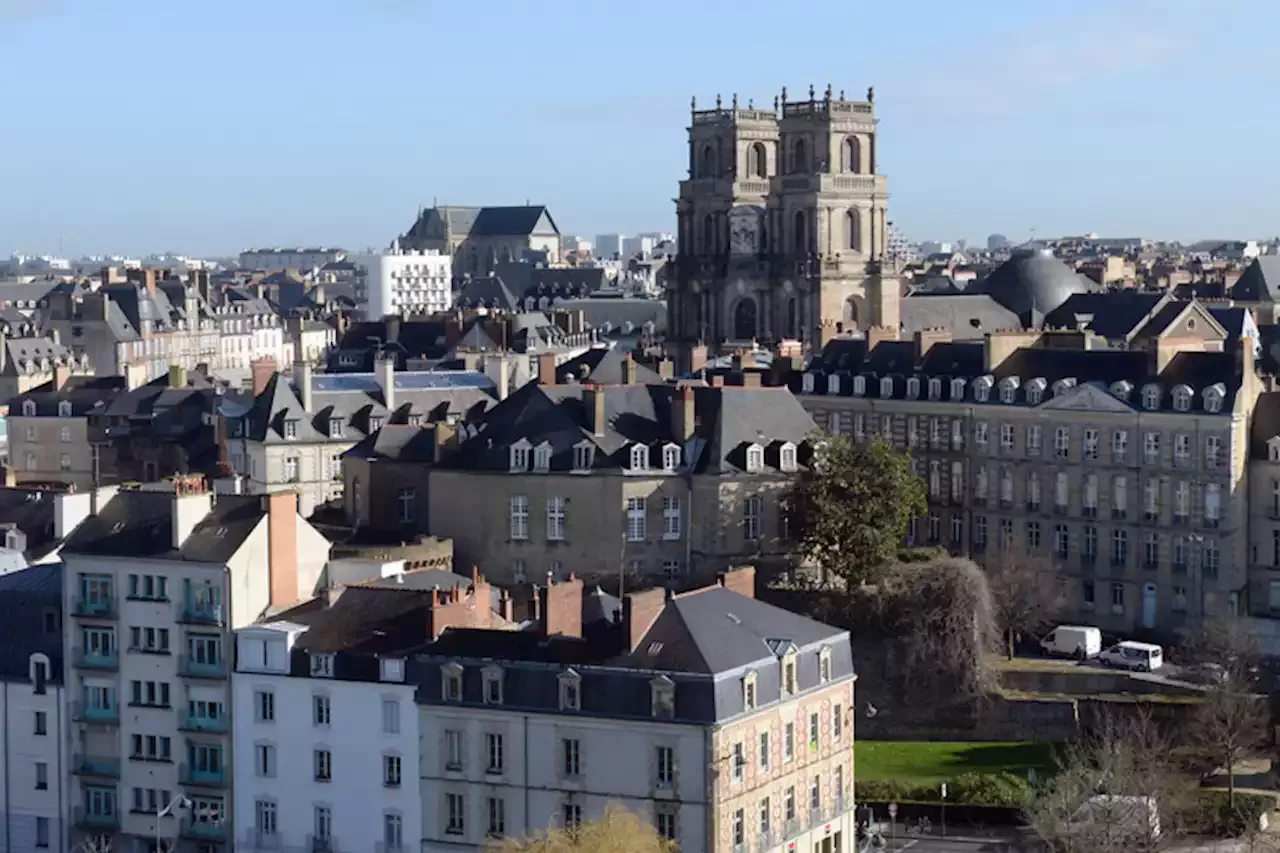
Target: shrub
(971,789)
(1210,813)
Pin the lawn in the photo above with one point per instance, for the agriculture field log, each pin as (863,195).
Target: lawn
(927,762)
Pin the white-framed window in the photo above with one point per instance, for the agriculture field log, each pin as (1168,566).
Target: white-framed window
(265,817)
(518,516)
(859,386)
(1151,395)
(392,831)
(957,480)
(751,510)
(264,760)
(322,761)
(291,429)
(1182,450)
(390,716)
(1212,451)
(64,435)
(1212,504)
(886,386)
(913,388)
(1151,448)
(455,814)
(1089,446)
(555,518)
(542,458)
(64,409)
(980,430)
(1182,398)
(570,757)
(1213,399)
(671,518)
(957,389)
(1062,443)
(391,771)
(807,383)
(451,682)
(321,710)
(755,458)
(935,389)
(671,458)
(981,389)
(1033,440)
(787,457)
(570,691)
(520,456)
(583,457)
(639,457)
(662,697)
(292,469)
(29,408)
(637,520)
(497,817)
(493,747)
(1119,445)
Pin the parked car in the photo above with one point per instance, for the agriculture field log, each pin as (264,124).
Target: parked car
(1078,641)
(1130,654)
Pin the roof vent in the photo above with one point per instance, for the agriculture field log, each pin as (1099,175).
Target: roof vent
(734,619)
(654,648)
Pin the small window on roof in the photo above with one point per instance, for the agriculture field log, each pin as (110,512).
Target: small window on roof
(639,457)
(886,386)
(807,383)
(671,458)
(1182,398)
(935,389)
(542,457)
(755,458)
(64,409)
(29,408)
(787,457)
(957,389)
(1151,397)
(833,383)
(913,388)
(859,386)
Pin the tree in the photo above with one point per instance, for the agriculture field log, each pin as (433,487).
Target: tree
(617,831)
(849,511)
(1026,593)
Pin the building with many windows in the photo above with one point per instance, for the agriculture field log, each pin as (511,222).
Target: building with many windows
(154,583)
(1125,468)
(408,281)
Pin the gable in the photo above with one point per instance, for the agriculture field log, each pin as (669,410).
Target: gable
(1087,398)
(1195,322)
(545,225)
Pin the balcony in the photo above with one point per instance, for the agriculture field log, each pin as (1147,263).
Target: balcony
(188,667)
(202,777)
(204,725)
(254,840)
(95,766)
(765,840)
(95,820)
(82,712)
(96,659)
(201,614)
(95,608)
(203,830)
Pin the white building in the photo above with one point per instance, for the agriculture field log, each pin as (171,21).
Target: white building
(277,260)
(33,786)
(155,582)
(641,245)
(326,746)
(406,281)
(608,245)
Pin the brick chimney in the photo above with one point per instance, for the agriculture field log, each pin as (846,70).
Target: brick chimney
(282,547)
(593,401)
(628,370)
(924,340)
(682,414)
(639,611)
(547,368)
(876,334)
(263,369)
(61,375)
(740,579)
(667,369)
(461,608)
(697,358)
(562,607)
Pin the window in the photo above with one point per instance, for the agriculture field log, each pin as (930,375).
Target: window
(837,722)
(392,832)
(390,716)
(751,511)
(391,771)
(637,523)
(455,814)
(1006,438)
(583,454)
(1089,449)
(320,710)
(957,482)
(763,751)
(670,458)
(452,749)
(42,776)
(667,766)
(813,730)
(264,760)
(520,456)
(981,390)
(1008,391)
(639,457)
(1212,505)
(493,751)
(1151,500)
(570,691)
(572,816)
(571,757)
(1035,392)
(1151,395)
(1151,448)
(787,457)
(665,823)
(323,765)
(824,665)
(497,816)
(542,458)
(265,706)
(518,508)
(755,458)
(1182,398)
(406,504)
(1151,551)
(29,408)
(1119,497)
(1062,443)
(64,409)
(980,430)
(41,723)
(291,429)
(1119,547)
(749,691)
(42,832)
(662,697)
(1117,598)
(1212,451)
(1119,445)
(1089,503)
(64,462)
(739,829)
(451,682)
(1182,450)
(789,742)
(1181,501)
(738,762)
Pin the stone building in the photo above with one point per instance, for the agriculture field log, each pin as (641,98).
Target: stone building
(782,224)
(480,238)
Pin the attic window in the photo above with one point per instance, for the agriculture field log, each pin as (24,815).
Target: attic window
(335,427)
(375,423)
(1121,390)
(570,691)
(749,695)
(322,666)
(913,388)
(1182,398)
(957,389)
(935,389)
(583,456)
(787,457)
(1274,452)
(1035,392)
(1009,390)
(662,693)
(492,685)
(670,458)
(64,409)
(1151,397)
(807,383)
(29,408)
(755,458)
(859,386)
(824,665)
(520,456)
(639,457)
(833,384)
(542,457)
(981,389)
(886,387)
(291,429)
(451,682)
(1213,396)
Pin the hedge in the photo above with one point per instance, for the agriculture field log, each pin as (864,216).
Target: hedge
(975,789)
(1210,813)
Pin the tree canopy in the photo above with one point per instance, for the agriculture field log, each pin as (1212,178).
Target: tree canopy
(617,831)
(848,513)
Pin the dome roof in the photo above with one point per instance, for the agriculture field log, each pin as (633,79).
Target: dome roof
(1032,283)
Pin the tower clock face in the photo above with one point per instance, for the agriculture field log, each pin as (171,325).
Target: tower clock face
(744,230)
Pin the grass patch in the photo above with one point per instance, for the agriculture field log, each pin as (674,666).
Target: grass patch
(931,762)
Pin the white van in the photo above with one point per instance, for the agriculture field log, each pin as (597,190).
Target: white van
(1079,641)
(1143,657)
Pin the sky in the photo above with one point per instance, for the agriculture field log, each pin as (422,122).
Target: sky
(138,126)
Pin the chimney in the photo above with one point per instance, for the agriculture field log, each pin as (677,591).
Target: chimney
(282,547)
(61,374)
(741,579)
(177,376)
(69,509)
(547,368)
(876,334)
(263,369)
(191,503)
(667,369)
(628,370)
(639,611)
(999,345)
(386,374)
(593,401)
(697,358)
(442,433)
(562,607)
(505,608)
(682,414)
(924,340)
(751,379)
(717,381)
(302,378)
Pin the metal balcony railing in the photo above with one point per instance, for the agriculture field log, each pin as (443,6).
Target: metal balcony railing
(96,608)
(189,667)
(82,712)
(203,777)
(200,614)
(98,766)
(96,659)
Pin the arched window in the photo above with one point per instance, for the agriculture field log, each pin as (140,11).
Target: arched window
(758,161)
(851,155)
(707,167)
(853,230)
(799,157)
(801,234)
(708,234)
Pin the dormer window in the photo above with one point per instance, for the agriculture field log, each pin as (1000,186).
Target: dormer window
(64,409)
(492,685)
(789,683)
(639,457)
(957,389)
(982,389)
(570,691)
(935,389)
(1062,386)
(1151,397)
(859,386)
(1008,389)
(542,458)
(1121,390)
(807,383)
(336,426)
(1213,397)
(1182,398)
(749,695)
(833,384)
(451,682)
(913,388)
(375,422)
(824,665)
(520,456)
(391,669)
(1034,392)
(29,408)
(322,666)
(671,458)
(755,458)
(662,697)
(583,457)
(1273,452)
(886,386)
(787,457)
(291,429)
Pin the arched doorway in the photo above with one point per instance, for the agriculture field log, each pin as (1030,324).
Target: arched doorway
(744,319)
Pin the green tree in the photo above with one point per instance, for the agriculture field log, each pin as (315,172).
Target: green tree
(849,511)
(616,831)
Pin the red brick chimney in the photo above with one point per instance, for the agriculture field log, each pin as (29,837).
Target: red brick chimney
(547,368)
(562,607)
(282,547)
(639,611)
(461,608)
(740,579)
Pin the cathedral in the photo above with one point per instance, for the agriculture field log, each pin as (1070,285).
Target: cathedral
(782,227)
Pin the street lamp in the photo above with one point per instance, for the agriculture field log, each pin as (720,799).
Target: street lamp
(178,802)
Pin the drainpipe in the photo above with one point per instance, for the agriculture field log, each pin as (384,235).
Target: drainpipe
(8,822)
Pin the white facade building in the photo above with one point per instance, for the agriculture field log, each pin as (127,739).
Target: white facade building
(323,762)
(608,245)
(277,260)
(410,282)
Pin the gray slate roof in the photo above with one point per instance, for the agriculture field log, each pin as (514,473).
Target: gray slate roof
(968,316)
(140,524)
(30,603)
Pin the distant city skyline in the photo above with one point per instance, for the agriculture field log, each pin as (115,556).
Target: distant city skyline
(207,128)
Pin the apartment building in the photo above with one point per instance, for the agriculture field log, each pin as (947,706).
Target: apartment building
(49,431)
(155,583)
(1125,468)
(725,721)
(33,786)
(29,361)
(277,259)
(408,281)
(659,481)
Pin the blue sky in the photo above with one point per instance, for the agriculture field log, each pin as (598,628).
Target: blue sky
(203,127)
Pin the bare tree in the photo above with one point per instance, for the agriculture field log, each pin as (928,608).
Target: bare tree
(1117,791)
(617,831)
(1026,593)
(94,844)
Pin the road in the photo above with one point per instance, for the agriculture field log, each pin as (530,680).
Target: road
(976,845)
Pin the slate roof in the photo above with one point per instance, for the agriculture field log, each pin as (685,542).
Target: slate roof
(139,524)
(1266,424)
(1260,281)
(1032,284)
(488,291)
(603,365)
(968,316)
(398,442)
(619,316)
(32,512)
(27,599)
(727,420)
(1116,316)
(86,395)
(512,221)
